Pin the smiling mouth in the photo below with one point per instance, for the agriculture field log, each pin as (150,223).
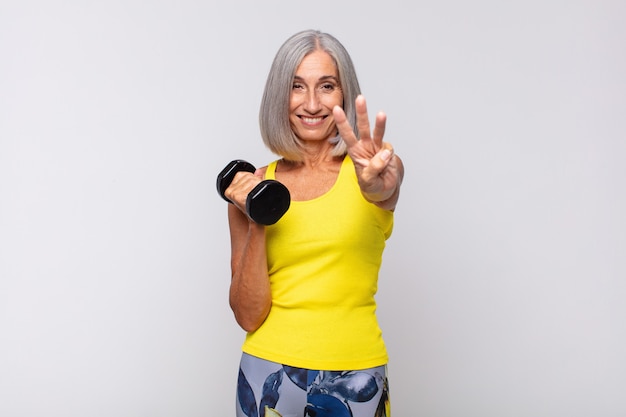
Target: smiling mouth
(312,120)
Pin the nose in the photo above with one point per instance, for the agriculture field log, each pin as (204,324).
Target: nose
(312,104)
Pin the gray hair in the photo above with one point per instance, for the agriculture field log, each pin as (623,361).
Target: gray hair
(274,113)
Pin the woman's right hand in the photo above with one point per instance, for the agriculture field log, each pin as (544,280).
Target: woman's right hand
(243,182)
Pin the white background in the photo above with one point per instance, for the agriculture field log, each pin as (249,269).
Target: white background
(503,288)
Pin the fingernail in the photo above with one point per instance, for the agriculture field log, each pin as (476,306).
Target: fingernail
(385,155)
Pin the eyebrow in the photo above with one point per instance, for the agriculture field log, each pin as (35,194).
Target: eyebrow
(322,78)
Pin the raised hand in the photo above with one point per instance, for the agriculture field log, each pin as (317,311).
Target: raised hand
(378,169)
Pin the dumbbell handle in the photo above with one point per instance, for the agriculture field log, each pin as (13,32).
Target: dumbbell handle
(266,202)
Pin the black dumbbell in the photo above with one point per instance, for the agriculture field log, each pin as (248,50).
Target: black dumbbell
(268,200)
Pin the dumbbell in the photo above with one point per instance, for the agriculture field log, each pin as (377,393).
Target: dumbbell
(266,202)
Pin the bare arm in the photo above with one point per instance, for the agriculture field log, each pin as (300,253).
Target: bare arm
(250,296)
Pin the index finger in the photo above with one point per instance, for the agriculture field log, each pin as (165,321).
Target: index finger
(343,126)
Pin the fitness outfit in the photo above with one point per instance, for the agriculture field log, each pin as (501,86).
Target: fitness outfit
(324,256)
(267,388)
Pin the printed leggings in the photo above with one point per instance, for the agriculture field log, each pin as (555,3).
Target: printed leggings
(269,389)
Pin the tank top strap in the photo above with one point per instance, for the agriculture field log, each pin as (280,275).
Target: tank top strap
(270,173)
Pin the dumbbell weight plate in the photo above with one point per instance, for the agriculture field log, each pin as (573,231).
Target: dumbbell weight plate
(225,177)
(267,202)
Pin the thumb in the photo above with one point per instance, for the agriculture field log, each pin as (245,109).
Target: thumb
(380,161)
(385,154)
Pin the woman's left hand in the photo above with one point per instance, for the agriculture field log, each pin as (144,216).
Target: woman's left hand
(378,169)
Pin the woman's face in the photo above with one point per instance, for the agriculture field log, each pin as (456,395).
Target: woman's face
(315,91)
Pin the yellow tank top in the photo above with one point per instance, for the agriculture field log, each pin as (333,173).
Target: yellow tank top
(324,256)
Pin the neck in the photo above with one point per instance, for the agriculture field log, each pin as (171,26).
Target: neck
(316,153)
(313,161)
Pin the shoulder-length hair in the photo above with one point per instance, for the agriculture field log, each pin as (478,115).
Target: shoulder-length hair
(274,113)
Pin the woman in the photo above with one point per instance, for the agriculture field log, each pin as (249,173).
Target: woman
(304,288)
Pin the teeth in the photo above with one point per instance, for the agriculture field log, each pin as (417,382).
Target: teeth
(311,119)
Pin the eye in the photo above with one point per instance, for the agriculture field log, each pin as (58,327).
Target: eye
(327,87)
(297,86)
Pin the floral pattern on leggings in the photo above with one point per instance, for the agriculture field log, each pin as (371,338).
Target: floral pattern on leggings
(329,393)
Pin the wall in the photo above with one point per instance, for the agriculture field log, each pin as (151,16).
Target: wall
(503,284)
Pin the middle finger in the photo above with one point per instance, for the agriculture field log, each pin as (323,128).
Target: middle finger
(362,121)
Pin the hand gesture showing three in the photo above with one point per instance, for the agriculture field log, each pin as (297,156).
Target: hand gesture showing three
(378,169)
